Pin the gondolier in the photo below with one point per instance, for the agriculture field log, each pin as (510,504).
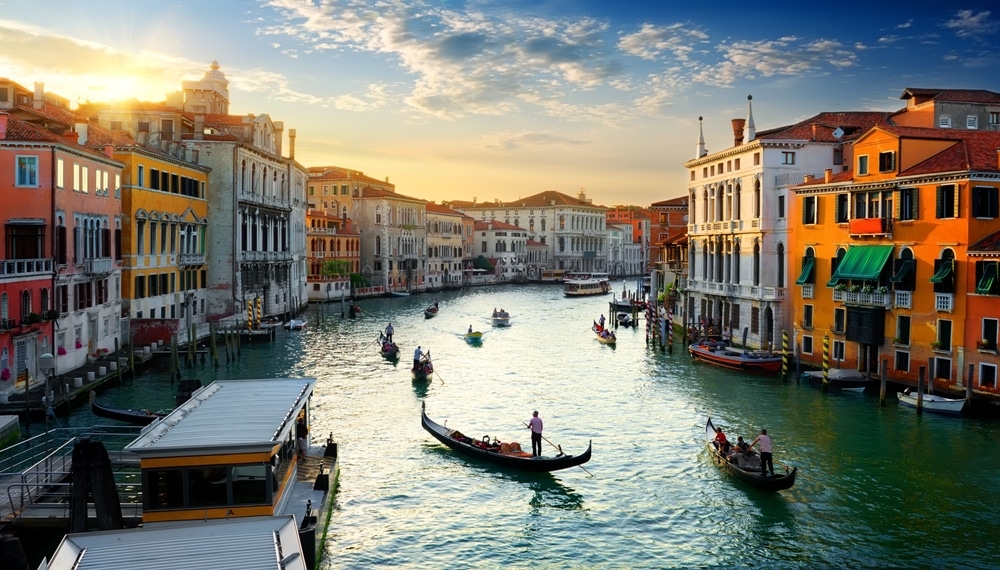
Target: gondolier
(417,355)
(535,425)
(388,332)
(766,461)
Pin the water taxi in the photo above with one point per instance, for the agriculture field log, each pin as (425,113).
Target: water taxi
(552,276)
(584,287)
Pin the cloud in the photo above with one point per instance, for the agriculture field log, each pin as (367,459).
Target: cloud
(787,56)
(905,25)
(511,141)
(969,24)
(651,42)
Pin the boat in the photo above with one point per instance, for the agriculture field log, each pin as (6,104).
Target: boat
(425,370)
(624,319)
(501,319)
(140,417)
(747,469)
(845,379)
(586,287)
(295,325)
(474,337)
(552,276)
(932,402)
(604,335)
(505,454)
(431,312)
(389,350)
(399,293)
(235,450)
(354,311)
(721,354)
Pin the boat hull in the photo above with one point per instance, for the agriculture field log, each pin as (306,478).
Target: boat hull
(933,403)
(138,417)
(610,340)
(430,313)
(759,363)
(846,381)
(391,353)
(532,464)
(753,478)
(501,321)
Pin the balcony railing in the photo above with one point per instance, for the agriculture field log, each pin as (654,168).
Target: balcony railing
(904,299)
(7,324)
(98,265)
(807,291)
(860,298)
(25,267)
(944,302)
(191,259)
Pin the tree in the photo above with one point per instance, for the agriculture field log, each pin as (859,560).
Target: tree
(335,267)
(481,262)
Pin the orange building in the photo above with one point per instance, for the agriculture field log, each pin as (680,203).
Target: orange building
(881,252)
(983,321)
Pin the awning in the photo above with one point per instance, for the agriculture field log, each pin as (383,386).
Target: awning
(986,282)
(943,272)
(904,269)
(807,268)
(863,262)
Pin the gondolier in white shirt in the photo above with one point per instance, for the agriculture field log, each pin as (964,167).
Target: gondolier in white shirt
(766,460)
(535,425)
(417,355)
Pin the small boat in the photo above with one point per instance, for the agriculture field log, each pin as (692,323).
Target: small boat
(431,312)
(389,350)
(747,468)
(845,379)
(504,454)
(721,354)
(354,311)
(399,293)
(604,335)
(474,337)
(295,325)
(501,319)
(586,287)
(138,417)
(624,319)
(932,402)
(425,370)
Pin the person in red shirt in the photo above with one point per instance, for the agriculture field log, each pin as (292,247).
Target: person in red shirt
(721,443)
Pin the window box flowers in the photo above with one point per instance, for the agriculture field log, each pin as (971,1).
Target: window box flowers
(61,351)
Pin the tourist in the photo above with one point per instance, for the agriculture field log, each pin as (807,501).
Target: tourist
(388,333)
(301,435)
(417,355)
(721,443)
(766,459)
(535,425)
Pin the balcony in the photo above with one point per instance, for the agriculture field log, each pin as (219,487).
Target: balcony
(807,291)
(871,227)
(872,299)
(98,265)
(944,302)
(25,267)
(904,299)
(191,259)
(7,324)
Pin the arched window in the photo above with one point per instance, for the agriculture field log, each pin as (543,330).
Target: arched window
(756,199)
(378,245)
(736,202)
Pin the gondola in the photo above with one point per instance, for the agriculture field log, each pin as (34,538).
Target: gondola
(512,459)
(754,478)
(425,370)
(604,335)
(389,350)
(431,312)
(138,417)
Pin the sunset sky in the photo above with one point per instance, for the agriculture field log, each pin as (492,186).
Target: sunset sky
(508,98)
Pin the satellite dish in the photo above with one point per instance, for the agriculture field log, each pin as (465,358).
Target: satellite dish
(838,132)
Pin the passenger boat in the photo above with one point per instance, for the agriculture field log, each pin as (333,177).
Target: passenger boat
(552,276)
(425,370)
(431,312)
(501,319)
(231,452)
(389,350)
(138,417)
(505,454)
(585,287)
(295,325)
(604,335)
(720,354)
(747,468)
(932,402)
(845,379)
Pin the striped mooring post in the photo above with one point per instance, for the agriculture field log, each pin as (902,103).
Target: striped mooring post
(784,355)
(250,315)
(649,322)
(826,359)
(670,332)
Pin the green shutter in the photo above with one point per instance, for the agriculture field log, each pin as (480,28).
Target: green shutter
(904,269)
(863,262)
(940,202)
(943,271)
(807,268)
(989,276)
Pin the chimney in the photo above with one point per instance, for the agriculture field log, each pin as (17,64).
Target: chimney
(827,175)
(738,125)
(3,125)
(71,136)
(808,178)
(39,100)
(81,131)
(109,150)
(199,127)
(291,144)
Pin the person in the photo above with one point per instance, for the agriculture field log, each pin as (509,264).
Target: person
(470,329)
(417,355)
(301,434)
(494,311)
(435,304)
(721,443)
(388,333)
(766,459)
(600,322)
(741,445)
(535,425)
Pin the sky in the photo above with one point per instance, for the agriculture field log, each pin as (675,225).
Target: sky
(501,99)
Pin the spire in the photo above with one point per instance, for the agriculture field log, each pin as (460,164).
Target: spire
(750,132)
(700,149)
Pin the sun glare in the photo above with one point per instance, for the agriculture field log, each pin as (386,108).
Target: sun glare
(114,88)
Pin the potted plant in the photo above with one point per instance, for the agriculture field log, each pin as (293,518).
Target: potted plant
(840,287)
(898,340)
(867,289)
(50,315)
(936,345)
(883,289)
(33,319)
(61,351)
(79,344)
(855,288)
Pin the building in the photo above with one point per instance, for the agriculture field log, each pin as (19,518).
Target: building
(506,246)
(983,320)
(640,244)
(333,243)
(444,247)
(574,229)
(393,238)
(738,218)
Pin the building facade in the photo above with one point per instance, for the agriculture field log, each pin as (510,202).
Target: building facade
(393,239)
(444,247)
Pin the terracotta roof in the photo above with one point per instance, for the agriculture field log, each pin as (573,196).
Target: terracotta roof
(679,202)
(988,246)
(482,225)
(533,243)
(340,173)
(679,239)
(373,192)
(952,95)
(18,130)
(819,128)
(542,199)
(438,209)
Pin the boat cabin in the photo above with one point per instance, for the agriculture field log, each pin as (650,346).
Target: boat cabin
(229,451)
(586,287)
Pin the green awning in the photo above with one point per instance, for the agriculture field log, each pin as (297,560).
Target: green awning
(904,269)
(863,262)
(986,283)
(943,272)
(807,268)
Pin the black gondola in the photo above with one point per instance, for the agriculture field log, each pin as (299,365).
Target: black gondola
(480,449)
(138,417)
(389,350)
(430,312)
(423,371)
(749,476)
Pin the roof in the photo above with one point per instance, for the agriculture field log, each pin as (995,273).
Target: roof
(227,416)
(251,542)
(921,95)
(545,199)
(678,202)
(989,246)
(820,128)
(373,192)
(481,225)
(433,208)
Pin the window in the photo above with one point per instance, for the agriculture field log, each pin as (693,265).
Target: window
(902,363)
(972,122)
(908,203)
(838,156)
(27,171)
(886,161)
(84,179)
(987,375)
(842,212)
(902,330)
(944,335)
(994,119)
(838,350)
(942,368)
(987,282)
(808,210)
(60,173)
(863,164)
(839,318)
(787,157)
(807,345)
(984,202)
(143,126)
(116,125)
(947,201)
(781,207)
(990,327)
(807,316)
(944,122)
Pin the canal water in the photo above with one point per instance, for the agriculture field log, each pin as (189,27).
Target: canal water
(877,487)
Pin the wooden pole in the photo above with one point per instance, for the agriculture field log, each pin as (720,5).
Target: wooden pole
(215,349)
(784,355)
(175,362)
(968,386)
(882,381)
(920,389)
(826,360)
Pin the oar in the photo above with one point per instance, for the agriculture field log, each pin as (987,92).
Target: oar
(439,376)
(559,448)
(788,469)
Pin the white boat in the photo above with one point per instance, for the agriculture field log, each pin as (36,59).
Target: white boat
(584,287)
(295,325)
(625,319)
(501,319)
(845,379)
(399,293)
(932,402)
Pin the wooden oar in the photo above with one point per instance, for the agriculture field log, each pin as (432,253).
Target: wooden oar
(439,376)
(558,447)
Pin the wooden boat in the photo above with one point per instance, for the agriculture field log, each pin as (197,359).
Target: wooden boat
(424,371)
(504,454)
(138,417)
(474,337)
(431,312)
(720,354)
(233,451)
(295,325)
(749,471)
(604,335)
(932,402)
(586,287)
(399,293)
(845,379)
(354,311)
(389,350)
